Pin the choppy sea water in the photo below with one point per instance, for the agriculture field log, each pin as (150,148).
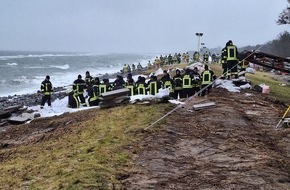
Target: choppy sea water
(23,72)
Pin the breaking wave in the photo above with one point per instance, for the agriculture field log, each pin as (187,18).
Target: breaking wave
(64,67)
(11,64)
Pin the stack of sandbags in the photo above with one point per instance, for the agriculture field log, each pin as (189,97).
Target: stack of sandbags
(115,98)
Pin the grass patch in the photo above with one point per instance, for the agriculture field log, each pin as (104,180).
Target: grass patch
(281,93)
(93,155)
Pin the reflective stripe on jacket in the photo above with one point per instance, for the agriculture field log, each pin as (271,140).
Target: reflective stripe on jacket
(206,77)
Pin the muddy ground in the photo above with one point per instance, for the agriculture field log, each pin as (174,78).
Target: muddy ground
(234,145)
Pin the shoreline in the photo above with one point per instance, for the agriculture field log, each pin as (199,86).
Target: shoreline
(34,99)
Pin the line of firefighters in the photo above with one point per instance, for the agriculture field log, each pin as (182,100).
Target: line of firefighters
(182,85)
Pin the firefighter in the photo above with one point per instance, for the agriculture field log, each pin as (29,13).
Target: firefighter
(224,63)
(139,67)
(178,58)
(187,57)
(157,62)
(196,79)
(183,57)
(205,57)
(177,79)
(170,61)
(119,83)
(167,82)
(93,93)
(187,90)
(130,84)
(79,86)
(161,60)
(89,80)
(153,85)
(133,67)
(207,77)
(232,59)
(46,89)
(196,56)
(73,101)
(125,69)
(175,59)
(149,65)
(141,85)
(104,86)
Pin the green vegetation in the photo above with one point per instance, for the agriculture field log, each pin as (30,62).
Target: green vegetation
(278,92)
(86,155)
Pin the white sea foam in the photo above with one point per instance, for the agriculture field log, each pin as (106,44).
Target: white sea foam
(11,64)
(58,108)
(48,55)
(64,67)
(64,76)
(34,67)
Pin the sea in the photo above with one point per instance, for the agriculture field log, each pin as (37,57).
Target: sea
(23,72)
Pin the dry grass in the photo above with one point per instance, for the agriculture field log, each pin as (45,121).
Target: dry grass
(278,92)
(92,155)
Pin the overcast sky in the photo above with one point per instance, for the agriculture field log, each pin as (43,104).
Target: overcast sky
(143,26)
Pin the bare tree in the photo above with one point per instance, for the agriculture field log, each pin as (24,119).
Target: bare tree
(284,17)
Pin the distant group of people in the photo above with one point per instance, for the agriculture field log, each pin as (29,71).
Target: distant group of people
(129,69)
(161,61)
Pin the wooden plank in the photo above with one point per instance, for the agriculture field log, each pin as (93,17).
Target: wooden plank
(203,106)
(21,118)
(115,92)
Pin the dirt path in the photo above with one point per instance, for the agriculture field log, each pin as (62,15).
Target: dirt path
(232,146)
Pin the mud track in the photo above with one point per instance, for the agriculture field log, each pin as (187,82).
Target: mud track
(232,146)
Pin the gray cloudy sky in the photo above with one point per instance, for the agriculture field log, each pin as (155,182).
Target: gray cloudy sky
(145,26)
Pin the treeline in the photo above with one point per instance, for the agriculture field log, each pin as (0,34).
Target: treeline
(279,46)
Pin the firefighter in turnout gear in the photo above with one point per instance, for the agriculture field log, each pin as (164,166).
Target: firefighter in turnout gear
(224,63)
(205,57)
(157,62)
(196,79)
(177,79)
(46,89)
(130,84)
(139,67)
(119,83)
(79,86)
(232,59)
(105,86)
(89,80)
(187,84)
(126,69)
(187,57)
(195,56)
(73,101)
(153,85)
(167,82)
(93,92)
(207,77)
(141,86)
